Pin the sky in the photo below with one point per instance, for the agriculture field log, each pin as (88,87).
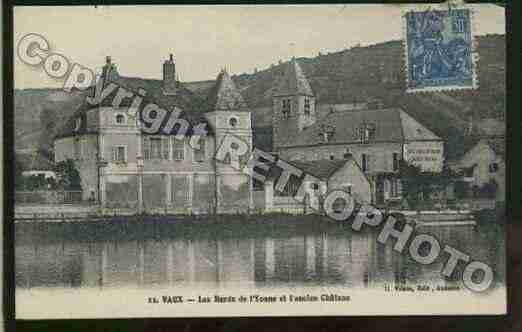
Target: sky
(205,39)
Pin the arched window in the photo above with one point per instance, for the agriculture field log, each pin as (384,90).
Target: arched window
(120,119)
(233,121)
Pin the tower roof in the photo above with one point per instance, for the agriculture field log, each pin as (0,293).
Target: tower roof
(293,82)
(224,96)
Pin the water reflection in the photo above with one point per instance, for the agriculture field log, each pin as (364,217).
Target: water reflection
(339,257)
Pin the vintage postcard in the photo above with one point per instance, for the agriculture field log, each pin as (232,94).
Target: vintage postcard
(197,161)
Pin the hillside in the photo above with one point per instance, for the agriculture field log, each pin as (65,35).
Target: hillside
(377,72)
(38,113)
(352,75)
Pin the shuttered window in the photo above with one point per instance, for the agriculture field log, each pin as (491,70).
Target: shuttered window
(395,161)
(365,162)
(119,154)
(156,148)
(199,154)
(286,108)
(178,149)
(307,106)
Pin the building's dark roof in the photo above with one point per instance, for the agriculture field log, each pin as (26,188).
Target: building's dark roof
(193,106)
(293,82)
(321,169)
(391,125)
(224,96)
(34,162)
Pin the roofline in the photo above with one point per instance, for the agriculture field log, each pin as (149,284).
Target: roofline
(345,161)
(357,142)
(293,94)
(73,135)
(209,134)
(360,169)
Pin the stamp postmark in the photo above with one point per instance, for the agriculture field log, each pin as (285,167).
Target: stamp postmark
(440,50)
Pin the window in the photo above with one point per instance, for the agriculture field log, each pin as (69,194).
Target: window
(286,109)
(332,157)
(458,24)
(233,121)
(119,154)
(327,132)
(365,162)
(77,124)
(366,132)
(468,171)
(347,154)
(395,161)
(155,148)
(493,167)
(120,119)
(77,148)
(178,149)
(180,190)
(307,106)
(199,154)
(395,188)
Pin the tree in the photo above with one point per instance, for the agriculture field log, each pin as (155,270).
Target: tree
(68,176)
(418,185)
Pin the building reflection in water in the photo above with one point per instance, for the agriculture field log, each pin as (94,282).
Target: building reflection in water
(343,258)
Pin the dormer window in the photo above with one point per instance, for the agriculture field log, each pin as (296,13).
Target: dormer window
(347,154)
(327,132)
(366,132)
(286,108)
(120,119)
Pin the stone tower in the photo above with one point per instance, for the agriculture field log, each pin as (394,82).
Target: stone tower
(229,115)
(293,105)
(169,76)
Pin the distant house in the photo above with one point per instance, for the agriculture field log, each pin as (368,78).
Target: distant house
(377,139)
(337,174)
(483,169)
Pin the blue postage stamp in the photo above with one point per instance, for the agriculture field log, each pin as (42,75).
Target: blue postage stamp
(439,50)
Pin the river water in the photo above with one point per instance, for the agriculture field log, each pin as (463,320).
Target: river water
(112,254)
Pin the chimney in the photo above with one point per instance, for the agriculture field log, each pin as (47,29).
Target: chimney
(109,69)
(169,76)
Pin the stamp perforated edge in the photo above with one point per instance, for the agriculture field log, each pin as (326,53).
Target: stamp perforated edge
(474,47)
